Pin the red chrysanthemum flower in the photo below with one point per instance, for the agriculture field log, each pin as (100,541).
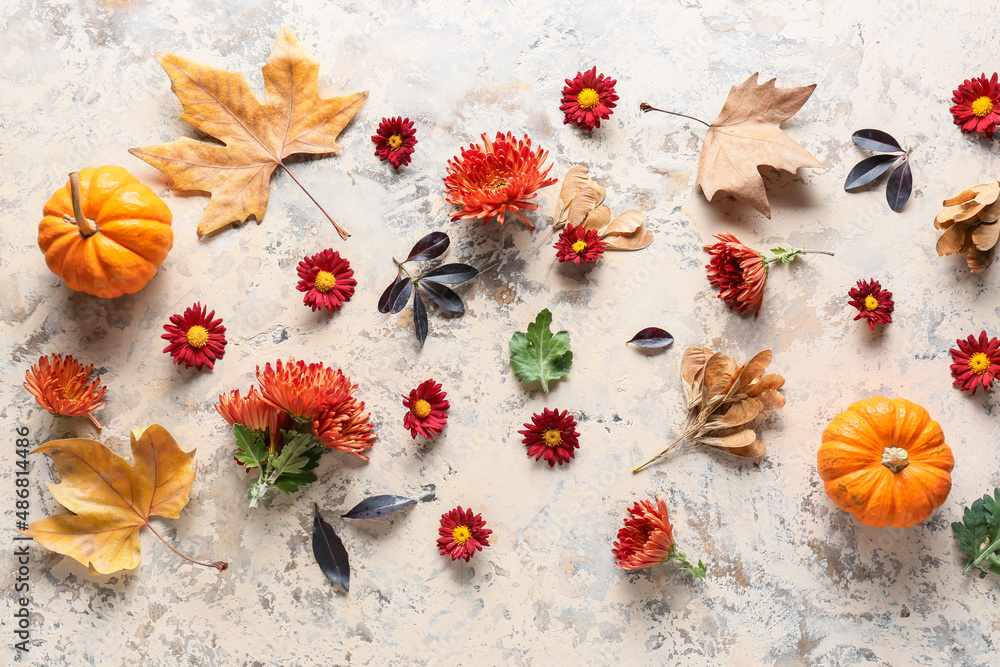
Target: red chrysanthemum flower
(60,385)
(739,272)
(977,102)
(462,534)
(553,435)
(588,99)
(195,338)
(647,538)
(299,388)
(427,410)
(395,140)
(497,178)
(873,303)
(976,363)
(327,279)
(578,244)
(340,425)
(253,412)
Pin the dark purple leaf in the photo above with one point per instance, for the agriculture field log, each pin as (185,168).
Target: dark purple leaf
(431,246)
(399,295)
(330,552)
(384,302)
(876,140)
(419,317)
(652,337)
(376,506)
(443,296)
(899,186)
(452,274)
(868,170)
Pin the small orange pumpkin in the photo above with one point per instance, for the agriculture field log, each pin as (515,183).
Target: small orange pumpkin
(105,233)
(885,461)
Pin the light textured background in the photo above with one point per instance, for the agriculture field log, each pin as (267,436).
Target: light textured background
(792,580)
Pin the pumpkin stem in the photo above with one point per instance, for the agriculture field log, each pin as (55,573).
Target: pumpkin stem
(895,458)
(87,227)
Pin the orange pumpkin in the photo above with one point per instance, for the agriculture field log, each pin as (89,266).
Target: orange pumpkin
(105,233)
(885,461)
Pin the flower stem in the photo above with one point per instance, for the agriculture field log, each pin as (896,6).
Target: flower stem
(343,234)
(681,438)
(788,256)
(697,571)
(645,107)
(218,565)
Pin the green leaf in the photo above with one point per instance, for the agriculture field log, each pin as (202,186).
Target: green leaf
(979,533)
(540,354)
(292,464)
(252,446)
(697,571)
(290,482)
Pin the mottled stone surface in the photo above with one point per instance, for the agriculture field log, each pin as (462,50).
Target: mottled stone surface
(792,580)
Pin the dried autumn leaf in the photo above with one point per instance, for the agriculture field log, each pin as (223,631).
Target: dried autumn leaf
(581,203)
(723,398)
(112,500)
(970,223)
(746,135)
(257,137)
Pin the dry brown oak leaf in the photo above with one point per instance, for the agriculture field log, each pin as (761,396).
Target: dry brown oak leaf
(747,134)
(970,221)
(112,500)
(258,137)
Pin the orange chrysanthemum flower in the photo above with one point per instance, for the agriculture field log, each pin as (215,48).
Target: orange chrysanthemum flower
(341,426)
(497,178)
(739,272)
(647,539)
(60,385)
(299,388)
(255,413)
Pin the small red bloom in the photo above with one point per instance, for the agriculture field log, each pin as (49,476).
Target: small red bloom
(873,303)
(739,272)
(578,244)
(195,338)
(497,178)
(976,363)
(462,534)
(60,385)
(327,279)
(647,538)
(253,412)
(395,140)
(553,435)
(976,105)
(428,410)
(588,99)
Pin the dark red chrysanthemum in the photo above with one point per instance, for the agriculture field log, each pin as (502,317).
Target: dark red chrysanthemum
(462,534)
(427,410)
(327,279)
(588,99)
(395,140)
(62,385)
(195,338)
(497,178)
(647,538)
(578,244)
(976,363)
(873,303)
(739,272)
(977,103)
(553,435)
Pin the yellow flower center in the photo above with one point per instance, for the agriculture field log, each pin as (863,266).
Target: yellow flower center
(588,98)
(979,363)
(197,336)
(871,303)
(395,141)
(579,246)
(461,535)
(325,281)
(497,183)
(552,437)
(421,409)
(982,107)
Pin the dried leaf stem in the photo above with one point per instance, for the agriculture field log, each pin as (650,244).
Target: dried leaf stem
(218,565)
(647,108)
(343,234)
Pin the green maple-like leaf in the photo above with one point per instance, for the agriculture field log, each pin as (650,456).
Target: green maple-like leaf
(539,354)
(299,456)
(979,533)
(252,447)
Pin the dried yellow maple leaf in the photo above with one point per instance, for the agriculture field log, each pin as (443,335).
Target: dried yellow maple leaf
(113,500)
(746,135)
(257,137)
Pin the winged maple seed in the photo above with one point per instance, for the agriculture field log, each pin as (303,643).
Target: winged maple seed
(746,135)
(257,137)
(970,224)
(112,500)
(722,399)
(581,202)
